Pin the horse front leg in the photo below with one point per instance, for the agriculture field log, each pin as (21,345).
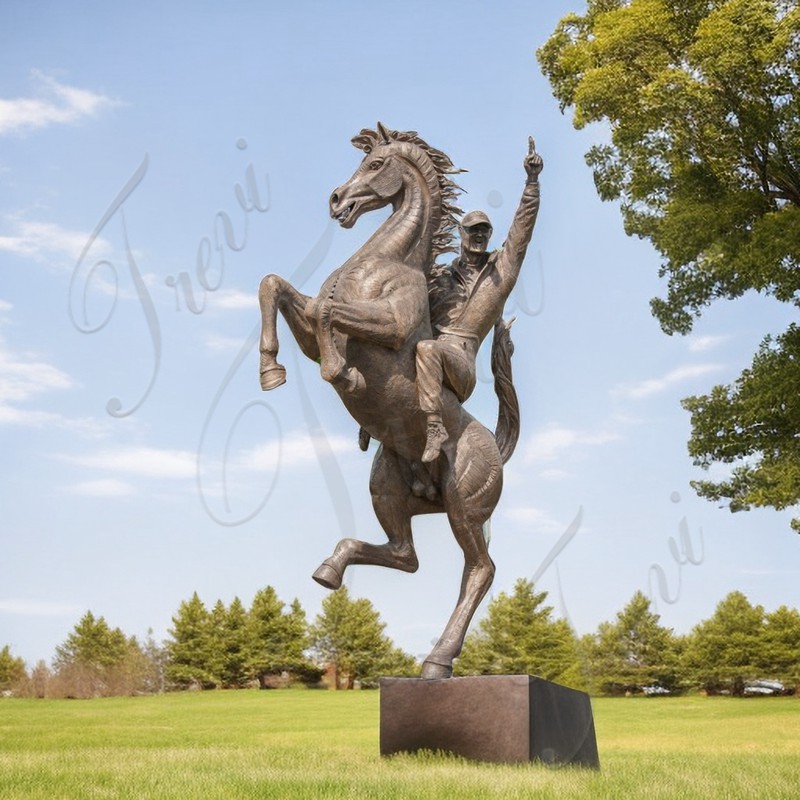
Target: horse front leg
(394,506)
(277,294)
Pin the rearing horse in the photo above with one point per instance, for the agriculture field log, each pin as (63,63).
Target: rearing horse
(363,328)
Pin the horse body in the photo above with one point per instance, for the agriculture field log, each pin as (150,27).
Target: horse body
(364,326)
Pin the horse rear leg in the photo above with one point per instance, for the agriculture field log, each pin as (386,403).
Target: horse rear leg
(466,521)
(394,505)
(276,294)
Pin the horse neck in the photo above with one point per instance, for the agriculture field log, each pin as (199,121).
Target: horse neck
(407,235)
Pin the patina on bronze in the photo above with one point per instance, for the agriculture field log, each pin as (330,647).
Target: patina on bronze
(366,328)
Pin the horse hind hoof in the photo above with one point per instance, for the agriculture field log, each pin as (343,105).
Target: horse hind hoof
(433,671)
(272,377)
(327,576)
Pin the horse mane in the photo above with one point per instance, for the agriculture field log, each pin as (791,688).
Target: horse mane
(442,241)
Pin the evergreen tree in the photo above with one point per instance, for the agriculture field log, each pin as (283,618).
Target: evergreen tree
(95,660)
(348,638)
(189,648)
(278,640)
(726,650)
(780,649)
(634,651)
(520,636)
(233,643)
(13,674)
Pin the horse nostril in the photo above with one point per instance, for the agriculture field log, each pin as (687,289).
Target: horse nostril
(334,199)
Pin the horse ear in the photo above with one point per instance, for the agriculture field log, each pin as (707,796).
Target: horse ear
(384,134)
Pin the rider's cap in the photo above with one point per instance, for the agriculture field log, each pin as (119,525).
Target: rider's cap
(474,218)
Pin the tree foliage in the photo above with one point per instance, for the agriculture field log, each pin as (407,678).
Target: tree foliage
(634,651)
(189,647)
(348,637)
(231,646)
(96,660)
(12,671)
(518,635)
(702,101)
(725,650)
(278,640)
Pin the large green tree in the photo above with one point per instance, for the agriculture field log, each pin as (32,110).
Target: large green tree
(229,645)
(348,637)
(97,660)
(519,635)
(726,650)
(780,650)
(13,674)
(278,640)
(702,101)
(634,651)
(189,648)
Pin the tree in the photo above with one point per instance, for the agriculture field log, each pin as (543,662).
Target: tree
(96,660)
(702,100)
(278,640)
(634,651)
(348,637)
(726,650)
(228,645)
(754,425)
(780,650)
(519,636)
(189,646)
(12,671)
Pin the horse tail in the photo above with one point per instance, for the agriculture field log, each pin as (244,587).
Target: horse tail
(507,430)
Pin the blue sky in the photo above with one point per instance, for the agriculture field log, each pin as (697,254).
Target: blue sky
(156,162)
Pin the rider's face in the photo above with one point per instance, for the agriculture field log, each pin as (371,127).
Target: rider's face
(475,239)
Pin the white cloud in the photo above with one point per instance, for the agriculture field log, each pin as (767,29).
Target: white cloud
(701,344)
(23,377)
(235,300)
(146,462)
(36,608)
(55,104)
(5,306)
(105,487)
(652,386)
(45,241)
(29,418)
(549,443)
(294,449)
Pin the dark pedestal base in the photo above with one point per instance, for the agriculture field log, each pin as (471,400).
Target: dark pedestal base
(502,718)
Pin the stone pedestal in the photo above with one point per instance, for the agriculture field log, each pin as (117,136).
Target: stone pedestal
(500,718)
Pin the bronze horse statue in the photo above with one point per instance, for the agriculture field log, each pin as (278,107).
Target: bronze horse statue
(363,328)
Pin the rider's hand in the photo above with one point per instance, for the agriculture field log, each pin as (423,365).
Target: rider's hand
(533,162)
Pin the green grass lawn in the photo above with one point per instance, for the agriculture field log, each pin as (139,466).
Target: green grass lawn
(318,744)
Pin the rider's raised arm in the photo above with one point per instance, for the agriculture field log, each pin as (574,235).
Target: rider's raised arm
(512,254)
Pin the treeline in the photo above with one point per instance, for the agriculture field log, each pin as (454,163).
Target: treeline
(271,644)
(268,645)
(739,644)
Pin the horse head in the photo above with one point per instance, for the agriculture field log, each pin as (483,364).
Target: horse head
(393,159)
(377,181)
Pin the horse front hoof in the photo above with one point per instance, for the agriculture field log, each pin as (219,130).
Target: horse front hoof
(272,377)
(327,576)
(433,671)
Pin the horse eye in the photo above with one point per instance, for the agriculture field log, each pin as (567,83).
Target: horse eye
(377,164)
